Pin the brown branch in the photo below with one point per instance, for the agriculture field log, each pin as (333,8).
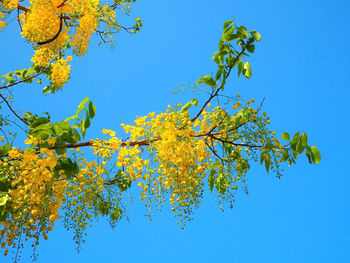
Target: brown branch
(123,144)
(114,5)
(261,104)
(213,95)
(146,142)
(236,144)
(23,80)
(56,36)
(8,105)
(18,20)
(62,4)
(213,151)
(21,7)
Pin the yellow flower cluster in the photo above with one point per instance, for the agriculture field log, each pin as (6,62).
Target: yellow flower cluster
(81,192)
(37,195)
(169,154)
(42,56)
(45,19)
(10,4)
(180,156)
(2,23)
(60,72)
(44,23)
(87,25)
(60,28)
(177,154)
(41,23)
(34,198)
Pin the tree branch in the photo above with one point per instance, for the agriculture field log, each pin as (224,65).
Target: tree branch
(23,80)
(213,95)
(62,4)
(21,7)
(56,36)
(8,105)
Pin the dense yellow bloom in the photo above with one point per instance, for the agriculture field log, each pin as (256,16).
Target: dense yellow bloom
(10,4)
(2,24)
(42,56)
(41,23)
(60,72)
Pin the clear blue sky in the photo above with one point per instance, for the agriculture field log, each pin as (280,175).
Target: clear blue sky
(301,67)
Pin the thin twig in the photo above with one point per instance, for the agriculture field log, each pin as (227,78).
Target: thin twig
(18,20)
(8,105)
(236,144)
(62,4)
(213,95)
(23,80)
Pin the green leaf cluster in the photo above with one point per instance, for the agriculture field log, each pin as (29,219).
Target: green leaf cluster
(299,144)
(69,167)
(229,55)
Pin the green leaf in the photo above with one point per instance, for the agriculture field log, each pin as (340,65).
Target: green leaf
(188,105)
(43,130)
(82,128)
(267,165)
(240,68)
(302,142)
(219,72)
(76,136)
(285,136)
(3,198)
(92,109)
(242,31)
(46,89)
(61,128)
(262,157)
(294,141)
(227,35)
(251,48)
(61,151)
(4,149)
(31,70)
(285,156)
(3,213)
(81,106)
(315,154)
(211,180)
(123,182)
(217,58)
(116,215)
(103,208)
(228,23)
(256,35)
(75,116)
(70,168)
(221,184)
(208,80)
(308,154)
(4,186)
(231,37)
(39,121)
(87,121)
(236,61)
(247,71)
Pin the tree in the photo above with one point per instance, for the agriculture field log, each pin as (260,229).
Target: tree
(174,156)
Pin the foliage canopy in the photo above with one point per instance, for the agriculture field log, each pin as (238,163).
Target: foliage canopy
(171,157)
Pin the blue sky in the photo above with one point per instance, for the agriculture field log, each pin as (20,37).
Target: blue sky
(300,67)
